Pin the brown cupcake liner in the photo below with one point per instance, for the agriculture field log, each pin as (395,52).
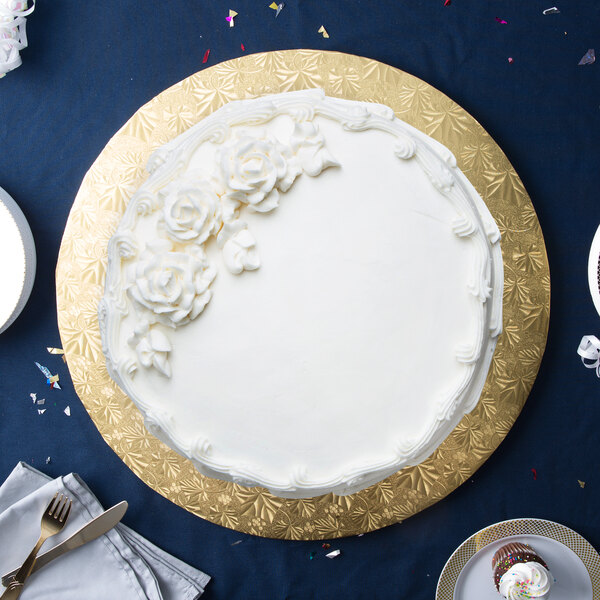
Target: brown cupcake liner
(511,554)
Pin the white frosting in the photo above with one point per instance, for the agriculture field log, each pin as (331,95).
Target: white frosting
(363,333)
(525,581)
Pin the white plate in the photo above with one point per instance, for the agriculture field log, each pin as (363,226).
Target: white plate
(594,270)
(17,252)
(572,561)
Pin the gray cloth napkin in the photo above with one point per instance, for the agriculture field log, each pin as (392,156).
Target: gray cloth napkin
(119,564)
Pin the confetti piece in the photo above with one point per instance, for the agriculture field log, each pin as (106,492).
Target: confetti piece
(323,31)
(361,534)
(277,7)
(311,555)
(57,351)
(551,11)
(51,380)
(206,56)
(333,554)
(242,47)
(48,460)
(41,411)
(534,474)
(33,397)
(511,60)
(501,21)
(236,543)
(232,14)
(67,411)
(588,58)
(581,483)
(326,546)
(42,401)
(447,2)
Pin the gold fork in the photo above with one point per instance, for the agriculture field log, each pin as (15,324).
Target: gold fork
(53,520)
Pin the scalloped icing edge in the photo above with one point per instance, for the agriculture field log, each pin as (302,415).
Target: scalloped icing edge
(440,166)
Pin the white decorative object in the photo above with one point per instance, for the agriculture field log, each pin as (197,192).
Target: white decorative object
(589,350)
(12,32)
(304,295)
(594,270)
(18,267)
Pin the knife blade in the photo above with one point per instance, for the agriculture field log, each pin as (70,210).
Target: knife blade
(90,531)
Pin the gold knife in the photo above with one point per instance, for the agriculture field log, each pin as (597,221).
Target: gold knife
(90,531)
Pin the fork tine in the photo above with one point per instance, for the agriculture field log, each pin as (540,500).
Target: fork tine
(66,510)
(49,508)
(58,505)
(63,501)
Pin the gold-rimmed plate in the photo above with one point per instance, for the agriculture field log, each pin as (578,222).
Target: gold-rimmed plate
(572,561)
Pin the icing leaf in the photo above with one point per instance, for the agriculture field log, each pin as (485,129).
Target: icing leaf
(309,146)
(239,252)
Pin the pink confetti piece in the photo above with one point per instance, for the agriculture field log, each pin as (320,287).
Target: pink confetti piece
(534,471)
(511,60)
(447,2)
(588,58)
(501,21)
(206,56)
(242,47)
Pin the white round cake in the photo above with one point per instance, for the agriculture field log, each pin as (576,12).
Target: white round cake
(304,295)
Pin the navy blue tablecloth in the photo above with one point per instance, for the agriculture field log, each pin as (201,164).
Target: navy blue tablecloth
(91,65)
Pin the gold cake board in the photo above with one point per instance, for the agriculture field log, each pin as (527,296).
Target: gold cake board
(119,171)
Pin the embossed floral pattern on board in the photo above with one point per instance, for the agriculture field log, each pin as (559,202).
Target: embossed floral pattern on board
(118,172)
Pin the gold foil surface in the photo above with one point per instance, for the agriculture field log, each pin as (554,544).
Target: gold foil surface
(119,171)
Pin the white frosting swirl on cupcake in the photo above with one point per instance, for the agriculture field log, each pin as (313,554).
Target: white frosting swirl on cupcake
(525,581)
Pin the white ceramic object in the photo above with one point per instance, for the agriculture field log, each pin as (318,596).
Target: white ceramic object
(17,250)
(572,562)
(594,270)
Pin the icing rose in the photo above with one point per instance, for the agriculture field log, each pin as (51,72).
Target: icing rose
(523,581)
(173,286)
(257,166)
(191,211)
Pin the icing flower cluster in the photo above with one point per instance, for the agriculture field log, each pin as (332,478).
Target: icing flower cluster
(172,275)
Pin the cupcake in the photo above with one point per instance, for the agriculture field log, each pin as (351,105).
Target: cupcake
(520,572)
